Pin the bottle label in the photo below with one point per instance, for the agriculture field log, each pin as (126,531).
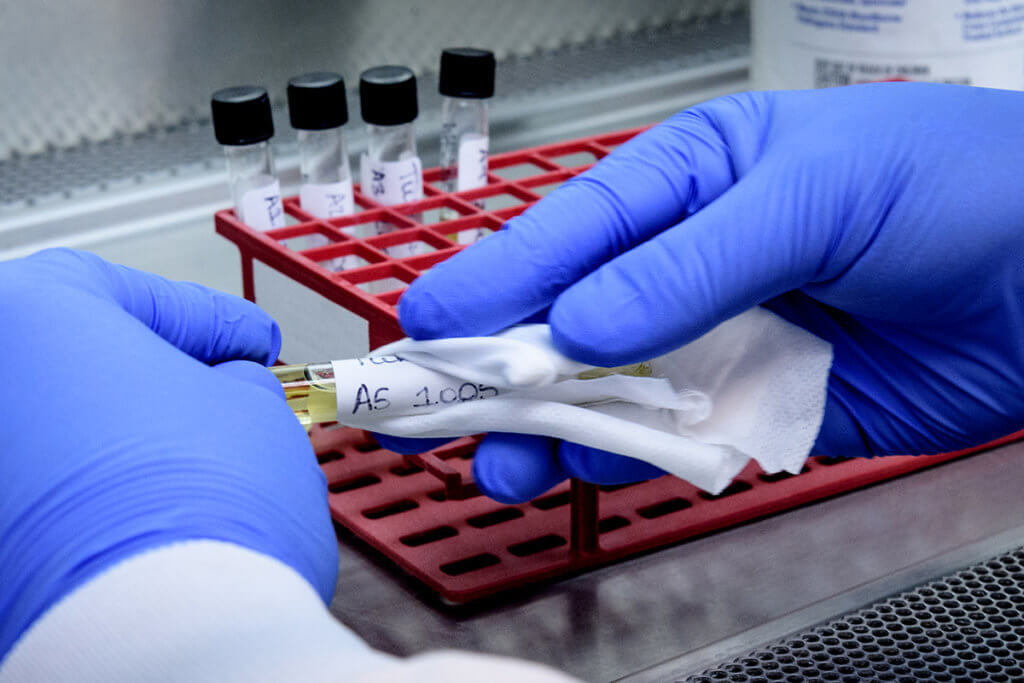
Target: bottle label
(472,171)
(392,182)
(327,200)
(261,208)
(820,43)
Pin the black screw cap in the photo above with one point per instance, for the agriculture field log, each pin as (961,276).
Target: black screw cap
(387,95)
(316,101)
(467,72)
(241,115)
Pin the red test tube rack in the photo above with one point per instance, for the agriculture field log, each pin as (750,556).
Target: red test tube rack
(423,511)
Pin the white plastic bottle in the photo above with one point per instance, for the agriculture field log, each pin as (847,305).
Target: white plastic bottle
(823,43)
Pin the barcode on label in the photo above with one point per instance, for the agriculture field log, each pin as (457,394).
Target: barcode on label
(829,73)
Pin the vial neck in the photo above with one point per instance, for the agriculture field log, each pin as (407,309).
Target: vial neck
(248,161)
(322,156)
(391,143)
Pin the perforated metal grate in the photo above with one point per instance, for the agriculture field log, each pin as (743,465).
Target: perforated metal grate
(79,70)
(965,627)
(526,86)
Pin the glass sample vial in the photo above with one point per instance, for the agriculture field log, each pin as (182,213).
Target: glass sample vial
(466,83)
(312,393)
(243,124)
(318,110)
(391,172)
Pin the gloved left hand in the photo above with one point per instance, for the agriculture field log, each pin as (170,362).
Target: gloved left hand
(117,436)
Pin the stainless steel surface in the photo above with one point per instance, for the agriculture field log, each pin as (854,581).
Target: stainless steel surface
(963,626)
(627,618)
(77,70)
(771,632)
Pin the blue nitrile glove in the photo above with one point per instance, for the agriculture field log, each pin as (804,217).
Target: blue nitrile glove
(118,437)
(887,219)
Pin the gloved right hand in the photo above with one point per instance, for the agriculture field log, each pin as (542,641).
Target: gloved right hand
(887,219)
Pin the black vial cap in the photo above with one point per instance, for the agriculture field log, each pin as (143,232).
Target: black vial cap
(387,95)
(241,115)
(467,72)
(316,101)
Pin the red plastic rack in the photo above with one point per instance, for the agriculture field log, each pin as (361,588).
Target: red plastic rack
(423,511)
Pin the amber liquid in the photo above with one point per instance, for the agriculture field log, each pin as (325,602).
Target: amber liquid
(310,391)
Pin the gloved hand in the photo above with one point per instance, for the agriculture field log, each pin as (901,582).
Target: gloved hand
(887,219)
(117,436)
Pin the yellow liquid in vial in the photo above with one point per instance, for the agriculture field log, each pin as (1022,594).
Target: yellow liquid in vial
(311,391)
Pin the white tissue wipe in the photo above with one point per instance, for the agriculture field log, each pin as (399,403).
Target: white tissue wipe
(753,387)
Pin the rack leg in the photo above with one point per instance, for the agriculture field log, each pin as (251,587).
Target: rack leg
(382,333)
(583,514)
(248,288)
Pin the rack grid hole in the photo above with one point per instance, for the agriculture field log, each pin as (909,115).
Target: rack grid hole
(731,490)
(779,476)
(395,508)
(470,564)
(551,502)
(354,483)
(330,456)
(609,524)
(536,545)
(665,507)
(518,171)
(499,516)
(405,469)
(438,533)
(574,159)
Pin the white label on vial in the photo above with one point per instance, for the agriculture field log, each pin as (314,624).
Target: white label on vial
(376,388)
(472,236)
(261,207)
(328,200)
(472,171)
(392,182)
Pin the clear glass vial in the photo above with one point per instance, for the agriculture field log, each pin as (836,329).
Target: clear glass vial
(466,83)
(243,124)
(318,110)
(391,169)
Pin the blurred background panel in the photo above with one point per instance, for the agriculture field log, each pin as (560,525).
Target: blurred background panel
(88,71)
(106,142)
